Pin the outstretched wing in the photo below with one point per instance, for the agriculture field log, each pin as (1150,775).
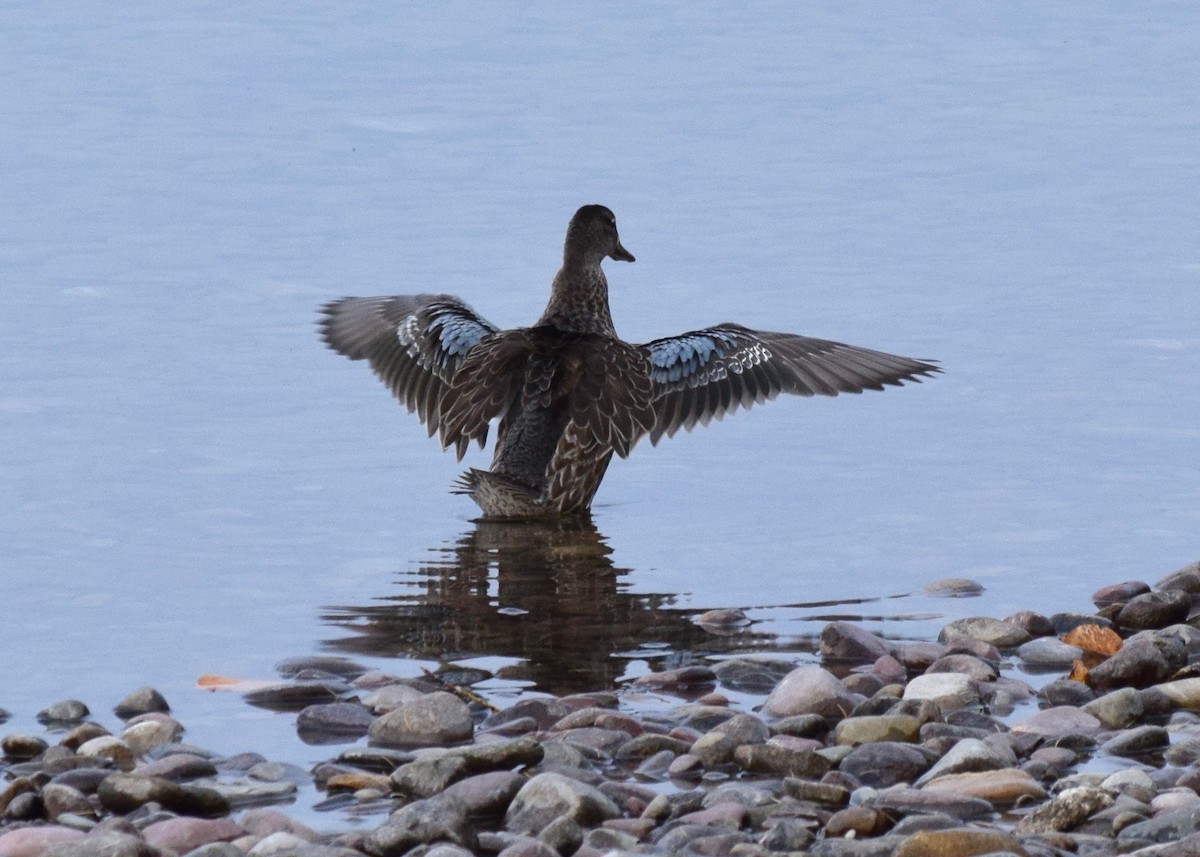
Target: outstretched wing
(415,344)
(708,373)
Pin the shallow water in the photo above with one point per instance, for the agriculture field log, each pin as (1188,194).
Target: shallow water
(193,484)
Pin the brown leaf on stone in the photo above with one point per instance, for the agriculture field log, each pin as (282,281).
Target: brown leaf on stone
(1078,672)
(1095,639)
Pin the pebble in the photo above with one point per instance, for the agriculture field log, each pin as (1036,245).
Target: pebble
(843,641)
(884,749)
(333,722)
(1048,653)
(144,700)
(995,632)
(433,719)
(809,690)
(947,690)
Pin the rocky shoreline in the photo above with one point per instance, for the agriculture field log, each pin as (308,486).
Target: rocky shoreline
(922,749)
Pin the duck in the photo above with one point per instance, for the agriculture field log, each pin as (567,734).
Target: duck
(567,393)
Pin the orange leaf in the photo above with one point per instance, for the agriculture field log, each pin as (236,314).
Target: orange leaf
(1078,672)
(1093,638)
(240,685)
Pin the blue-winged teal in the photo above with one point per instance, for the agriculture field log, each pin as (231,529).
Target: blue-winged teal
(568,392)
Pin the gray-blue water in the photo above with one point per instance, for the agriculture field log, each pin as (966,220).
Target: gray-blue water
(192,484)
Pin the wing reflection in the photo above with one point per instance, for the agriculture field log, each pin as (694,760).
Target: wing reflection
(545,592)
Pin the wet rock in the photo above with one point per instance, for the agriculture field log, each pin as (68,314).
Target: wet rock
(1155,609)
(390,697)
(906,800)
(1119,593)
(787,835)
(1064,691)
(645,746)
(65,711)
(973,667)
(823,793)
(948,690)
(436,819)
(889,670)
(1048,653)
(1182,693)
(684,678)
(868,730)
(1186,579)
(144,700)
(264,822)
(713,749)
(143,737)
(686,767)
(886,764)
(296,696)
(801,726)
(964,842)
(217,849)
(184,834)
(329,664)
(919,655)
(22,747)
(35,841)
(108,747)
(58,799)
(722,621)
(1002,635)
(1117,709)
(544,713)
(953,587)
(1001,788)
(333,720)
(486,794)
(1065,811)
(427,776)
(26,806)
(247,791)
(858,821)
(1137,664)
(178,767)
(779,761)
(1066,622)
(1137,742)
(843,641)
(526,847)
(1168,827)
(751,675)
(81,734)
(379,759)
(809,690)
(124,793)
(744,729)
(1058,722)
(1132,782)
(1035,623)
(436,718)
(549,796)
(970,755)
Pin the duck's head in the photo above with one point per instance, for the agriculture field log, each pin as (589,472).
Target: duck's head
(592,235)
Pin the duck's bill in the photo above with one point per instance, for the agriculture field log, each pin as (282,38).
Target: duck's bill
(622,255)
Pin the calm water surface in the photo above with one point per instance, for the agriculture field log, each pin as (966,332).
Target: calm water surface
(192,484)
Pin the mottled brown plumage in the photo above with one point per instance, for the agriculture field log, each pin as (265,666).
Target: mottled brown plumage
(568,393)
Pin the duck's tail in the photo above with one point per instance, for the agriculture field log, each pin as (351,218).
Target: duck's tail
(500,495)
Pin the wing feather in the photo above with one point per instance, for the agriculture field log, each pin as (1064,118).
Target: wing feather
(705,374)
(414,343)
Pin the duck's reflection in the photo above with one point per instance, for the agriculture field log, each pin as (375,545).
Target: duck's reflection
(546,593)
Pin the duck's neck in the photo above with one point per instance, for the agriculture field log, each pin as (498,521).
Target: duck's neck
(579,300)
